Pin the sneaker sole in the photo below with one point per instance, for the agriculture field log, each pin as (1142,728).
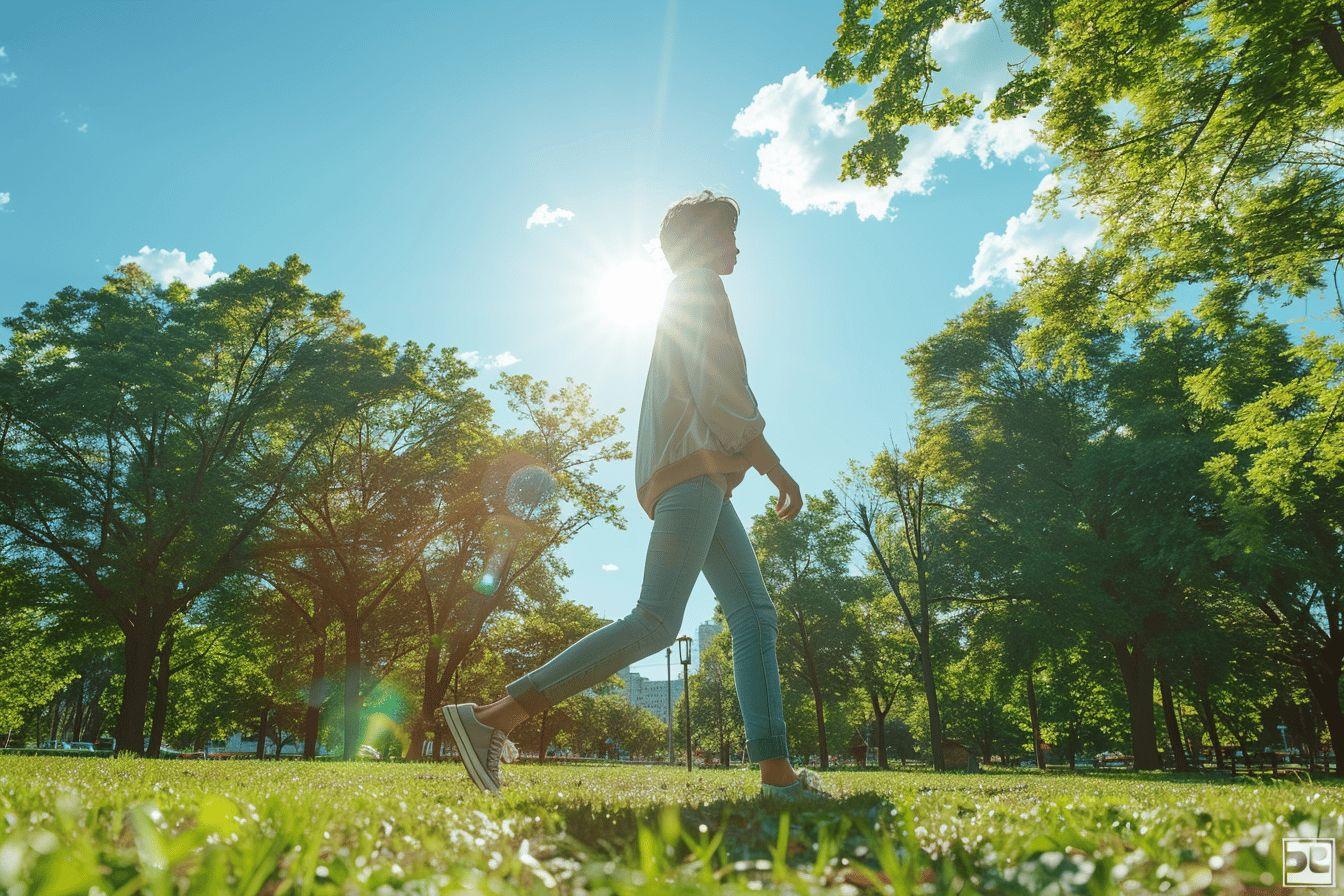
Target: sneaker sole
(806,798)
(470,760)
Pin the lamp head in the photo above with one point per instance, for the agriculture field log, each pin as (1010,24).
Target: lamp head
(684,649)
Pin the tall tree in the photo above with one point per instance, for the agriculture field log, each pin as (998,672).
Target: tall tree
(146,433)
(716,718)
(1081,708)
(885,657)
(1070,502)
(894,504)
(1205,132)
(804,562)
(292,604)
(563,433)
(376,491)
(1281,475)
(221,682)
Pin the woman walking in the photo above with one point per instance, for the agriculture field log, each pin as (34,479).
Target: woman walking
(699,432)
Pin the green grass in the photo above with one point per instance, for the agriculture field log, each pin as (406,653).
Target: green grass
(130,826)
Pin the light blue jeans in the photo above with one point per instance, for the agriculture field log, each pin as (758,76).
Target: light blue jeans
(694,529)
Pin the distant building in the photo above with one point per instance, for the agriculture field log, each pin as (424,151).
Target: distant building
(703,635)
(651,694)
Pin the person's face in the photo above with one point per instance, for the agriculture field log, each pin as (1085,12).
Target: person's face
(725,252)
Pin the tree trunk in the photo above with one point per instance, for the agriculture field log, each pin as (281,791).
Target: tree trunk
(437,747)
(352,697)
(1308,731)
(813,677)
(1324,685)
(1035,712)
(1197,754)
(1173,726)
(931,697)
(317,695)
(1205,711)
(68,715)
(141,645)
(821,728)
(543,736)
(1137,673)
(415,751)
(93,720)
(1245,751)
(262,731)
(881,734)
(77,724)
(161,695)
(428,699)
(1333,45)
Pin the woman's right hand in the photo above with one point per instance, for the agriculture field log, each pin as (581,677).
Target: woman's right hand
(790,500)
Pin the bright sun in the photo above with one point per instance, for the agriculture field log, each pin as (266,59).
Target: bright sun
(628,294)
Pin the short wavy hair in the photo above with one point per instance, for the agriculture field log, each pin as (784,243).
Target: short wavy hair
(691,225)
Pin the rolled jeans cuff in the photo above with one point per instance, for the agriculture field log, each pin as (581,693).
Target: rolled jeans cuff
(776,746)
(525,693)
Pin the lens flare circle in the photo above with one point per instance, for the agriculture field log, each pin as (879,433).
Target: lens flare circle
(518,492)
(528,492)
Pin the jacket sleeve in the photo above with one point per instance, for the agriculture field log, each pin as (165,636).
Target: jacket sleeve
(715,369)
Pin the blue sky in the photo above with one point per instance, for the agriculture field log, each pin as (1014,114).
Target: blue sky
(401,150)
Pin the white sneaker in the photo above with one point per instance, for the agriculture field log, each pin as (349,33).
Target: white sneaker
(480,746)
(808,785)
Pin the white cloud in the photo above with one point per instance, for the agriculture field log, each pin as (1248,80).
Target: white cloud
(7,79)
(167,265)
(1029,235)
(808,136)
(800,161)
(4,199)
(3,54)
(489,362)
(974,57)
(609,567)
(544,216)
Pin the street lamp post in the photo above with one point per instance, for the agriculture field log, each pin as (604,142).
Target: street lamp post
(671,748)
(684,654)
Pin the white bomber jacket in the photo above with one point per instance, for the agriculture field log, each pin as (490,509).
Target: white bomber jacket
(699,414)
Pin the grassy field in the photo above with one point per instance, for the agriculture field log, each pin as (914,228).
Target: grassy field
(120,826)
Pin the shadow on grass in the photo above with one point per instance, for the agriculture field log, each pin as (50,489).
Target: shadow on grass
(861,839)
(992,832)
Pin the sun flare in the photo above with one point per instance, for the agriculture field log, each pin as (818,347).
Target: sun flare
(628,293)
